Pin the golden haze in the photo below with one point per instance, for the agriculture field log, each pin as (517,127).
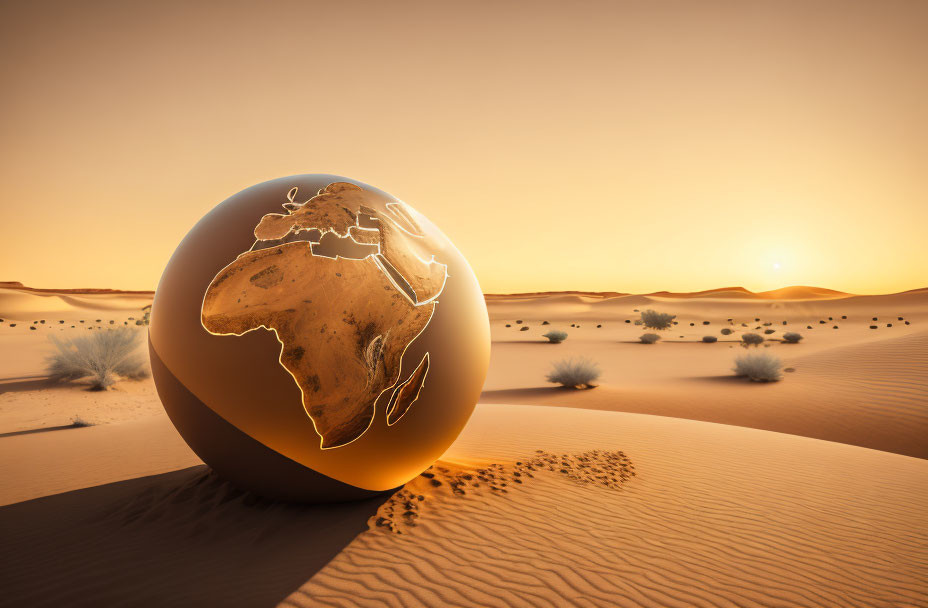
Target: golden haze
(602,145)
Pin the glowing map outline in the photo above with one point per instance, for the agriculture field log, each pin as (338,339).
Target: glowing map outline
(396,216)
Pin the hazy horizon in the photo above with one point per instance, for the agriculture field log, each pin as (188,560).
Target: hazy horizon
(603,146)
(504,293)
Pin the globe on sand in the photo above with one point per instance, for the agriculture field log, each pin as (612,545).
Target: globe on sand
(315,339)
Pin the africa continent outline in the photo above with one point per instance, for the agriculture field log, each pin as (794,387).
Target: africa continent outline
(347,352)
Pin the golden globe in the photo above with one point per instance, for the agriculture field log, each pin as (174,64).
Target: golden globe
(314,338)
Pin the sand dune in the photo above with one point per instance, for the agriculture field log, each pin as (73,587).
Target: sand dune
(872,395)
(795,292)
(23,350)
(123,513)
(715,516)
(853,384)
(15,301)
(182,538)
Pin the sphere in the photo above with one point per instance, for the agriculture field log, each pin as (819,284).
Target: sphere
(316,339)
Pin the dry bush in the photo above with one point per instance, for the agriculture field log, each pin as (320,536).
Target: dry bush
(759,367)
(709,339)
(574,373)
(555,336)
(649,338)
(792,337)
(657,320)
(726,332)
(751,340)
(104,357)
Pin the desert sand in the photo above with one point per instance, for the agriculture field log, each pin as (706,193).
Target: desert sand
(670,484)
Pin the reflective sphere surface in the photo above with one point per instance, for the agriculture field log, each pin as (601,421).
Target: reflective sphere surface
(314,338)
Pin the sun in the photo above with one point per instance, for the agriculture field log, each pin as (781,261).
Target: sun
(776,265)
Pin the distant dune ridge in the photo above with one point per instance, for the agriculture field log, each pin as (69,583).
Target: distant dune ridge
(20,286)
(795,292)
(670,483)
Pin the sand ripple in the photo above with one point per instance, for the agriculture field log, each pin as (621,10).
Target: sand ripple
(717,516)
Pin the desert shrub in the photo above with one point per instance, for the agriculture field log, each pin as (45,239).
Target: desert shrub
(792,337)
(871,327)
(759,367)
(599,326)
(638,321)
(78,422)
(692,324)
(751,339)
(706,322)
(649,338)
(545,323)
(656,320)
(556,336)
(574,373)
(709,339)
(768,331)
(519,321)
(523,328)
(104,357)
(508,325)
(726,332)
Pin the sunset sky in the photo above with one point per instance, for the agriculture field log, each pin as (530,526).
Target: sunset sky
(622,146)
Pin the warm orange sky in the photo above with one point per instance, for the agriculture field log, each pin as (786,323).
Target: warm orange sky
(628,146)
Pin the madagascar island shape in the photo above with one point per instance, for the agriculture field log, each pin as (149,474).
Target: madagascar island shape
(346,289)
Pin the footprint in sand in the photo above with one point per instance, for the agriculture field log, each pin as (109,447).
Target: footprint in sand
(608,469)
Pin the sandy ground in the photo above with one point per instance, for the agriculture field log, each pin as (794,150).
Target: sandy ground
(670,484)
(853,384)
